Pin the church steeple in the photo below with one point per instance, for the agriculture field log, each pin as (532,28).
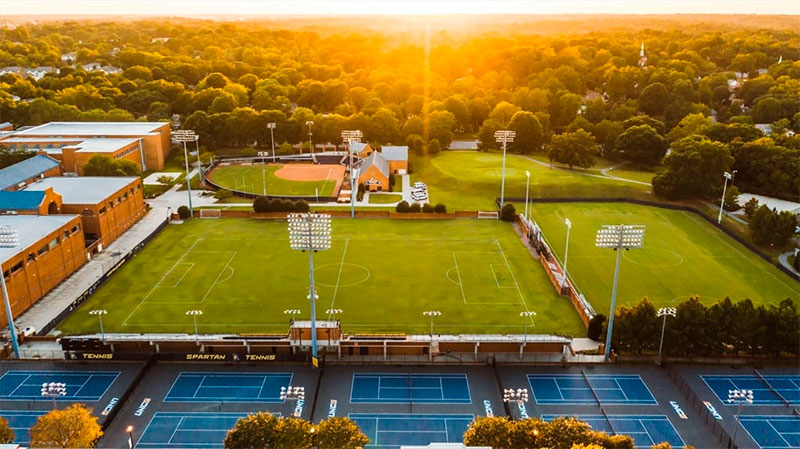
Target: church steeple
(641,53)
(642,57)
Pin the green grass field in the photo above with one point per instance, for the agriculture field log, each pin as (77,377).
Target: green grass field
(382,273)
(384,198)
(250,178)
(683,256)
(471,180)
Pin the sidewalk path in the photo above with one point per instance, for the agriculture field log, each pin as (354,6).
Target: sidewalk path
(784,260)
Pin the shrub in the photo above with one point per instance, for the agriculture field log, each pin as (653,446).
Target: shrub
(285,148)
(183,212)
(301,206)
(440,209)
(223,194)
(249,151)
(414,208)
(275,205)
(361,189)
(286,206)
(596,327)
(402,207)
(262,204)
(434,147)
(427,208)
(508,212)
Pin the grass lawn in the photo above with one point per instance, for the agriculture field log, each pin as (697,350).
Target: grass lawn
(250,178)
(382,273)
(384,198)
(471,180)
(683,256)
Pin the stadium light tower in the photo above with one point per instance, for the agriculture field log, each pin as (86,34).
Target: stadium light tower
(505,136)
(352,135)
(183,136)
(194,314)
(100,313)
(293,394)
(665,312)
(617,237)
(9,238)
(310,233)
(54,390)
(271,127)
(432,314)
(526,315)
(309,123)
(728,177)
(739,397)
(568,223)
(518,396)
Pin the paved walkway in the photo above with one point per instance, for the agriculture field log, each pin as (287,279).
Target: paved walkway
(784,260)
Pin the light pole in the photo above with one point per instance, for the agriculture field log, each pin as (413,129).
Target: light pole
(740,397)
(527,189)
(352,135)
(100,313)
(183,136)
(129,431)
(617,237)
(568,223)
(54,390)
(9,238)
(310,232)
(504,136)
(271,127)
(263,155)
(432,314)
(293,394)
(309,123)
(665,312)
(518,396)
(728,177)
(194,314)
(526,315)
(733,177)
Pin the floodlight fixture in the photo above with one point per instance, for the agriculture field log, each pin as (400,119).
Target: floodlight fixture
(739,397)
(99,313)
(54,390)
(194,314)
(432,314)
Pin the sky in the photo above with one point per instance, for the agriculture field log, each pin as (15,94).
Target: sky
(394,7)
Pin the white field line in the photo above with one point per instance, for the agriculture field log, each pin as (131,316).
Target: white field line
(223,270)
(460,281)
(191,265)
(514,277)
(338,278)
(494,273)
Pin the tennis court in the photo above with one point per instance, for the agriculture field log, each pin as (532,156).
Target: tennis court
(86,386)
(767,390)
(188,430)
(403,388)
(628,389)
(646,430)
(233,387)
(20,422)
(773,432)
(390,431)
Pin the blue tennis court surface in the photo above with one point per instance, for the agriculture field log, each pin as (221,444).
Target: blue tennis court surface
(88,386)
(577,389)
(233,387)
(390,431)
(646,430)
(188,430)
(402,388)
(771,390)
(21,421)
(773,432)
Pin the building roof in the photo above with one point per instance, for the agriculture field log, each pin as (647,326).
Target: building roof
(357,147)
(378,161)
(93,129)
(103,144)
(83,189)
(27,169)
(31,229)
(20,200)
(395,153)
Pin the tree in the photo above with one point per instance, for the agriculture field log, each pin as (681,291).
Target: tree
(294,433)
(731,201)
(692,169)
(486,139)
(415,143)
(184,212)
(440,126)
(339,433)
(768,227)
(259,430)
(72,427)
(508,212)
(492,432)
(164,180)
(503,112)
(576,148)
(6,434)
(750,207)
(595,328)
(689,125)
(529,137)
(402,207)
(100,165)
(654,98)
(434,147)
(641,145)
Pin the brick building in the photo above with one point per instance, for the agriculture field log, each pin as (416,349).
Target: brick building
(374,173)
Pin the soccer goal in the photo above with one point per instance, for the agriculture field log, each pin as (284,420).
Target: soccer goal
(486,215)
(210,213)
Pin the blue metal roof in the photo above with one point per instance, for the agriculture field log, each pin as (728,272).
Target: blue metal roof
(27,169)
(20,200)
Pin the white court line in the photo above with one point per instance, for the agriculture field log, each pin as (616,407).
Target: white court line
(180,421)
(338,278)
(460,282)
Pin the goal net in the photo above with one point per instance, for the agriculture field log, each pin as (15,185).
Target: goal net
(484,215)
(210,213)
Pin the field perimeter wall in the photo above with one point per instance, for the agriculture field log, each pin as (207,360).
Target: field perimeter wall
(346,214)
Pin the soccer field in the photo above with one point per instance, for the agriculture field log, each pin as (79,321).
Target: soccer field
(683,256)
(382,273)
(251,178)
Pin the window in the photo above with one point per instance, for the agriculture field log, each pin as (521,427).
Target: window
(53,243)
(111,204)
(31,257)
(66,234)
(124,196)
(77,227)
(43,250)
(118,200)
(102,210)
(16,267)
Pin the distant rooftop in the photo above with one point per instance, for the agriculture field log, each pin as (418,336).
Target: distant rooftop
(93,129)
(377,160)
(395,153)
(20,200)
(83,189)
(357,147)
(31,229)
(27,169)
(103,144)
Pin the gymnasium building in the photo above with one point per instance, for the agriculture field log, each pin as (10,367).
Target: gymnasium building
(73,143)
